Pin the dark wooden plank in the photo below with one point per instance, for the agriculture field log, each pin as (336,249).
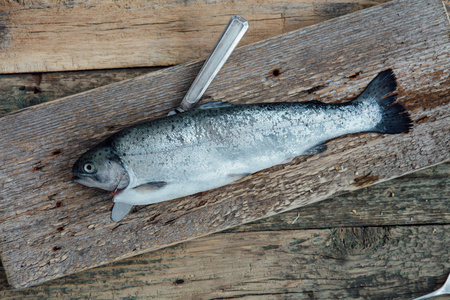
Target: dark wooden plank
(59,35)
(19,91)
(66,227)
(401,262)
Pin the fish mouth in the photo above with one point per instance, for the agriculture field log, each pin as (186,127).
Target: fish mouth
(79,179)
(89,181)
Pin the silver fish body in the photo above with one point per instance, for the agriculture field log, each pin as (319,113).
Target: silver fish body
(217,144)
(209,148)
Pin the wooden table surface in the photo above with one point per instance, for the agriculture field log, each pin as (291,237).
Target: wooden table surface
(387,241)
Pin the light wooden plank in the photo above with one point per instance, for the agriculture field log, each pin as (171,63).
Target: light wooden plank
(65,227)
(347,263)
(55,35)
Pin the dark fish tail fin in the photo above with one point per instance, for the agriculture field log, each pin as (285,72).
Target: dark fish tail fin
(394,119)
(382,85)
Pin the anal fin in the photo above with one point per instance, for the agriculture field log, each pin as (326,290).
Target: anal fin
(237,176)
(316,149)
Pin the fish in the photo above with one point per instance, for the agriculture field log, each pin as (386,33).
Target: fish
(218,143)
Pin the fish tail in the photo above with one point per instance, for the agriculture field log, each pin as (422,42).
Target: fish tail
(395,118)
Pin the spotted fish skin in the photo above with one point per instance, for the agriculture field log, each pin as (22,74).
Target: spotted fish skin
(215,145)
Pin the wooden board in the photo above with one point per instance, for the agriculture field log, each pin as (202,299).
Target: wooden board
(345,263)
(420,198)
(55,35)
(207,268)
(19,91)
(65,227)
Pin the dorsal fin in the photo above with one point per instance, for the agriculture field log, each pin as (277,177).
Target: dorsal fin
(214,104)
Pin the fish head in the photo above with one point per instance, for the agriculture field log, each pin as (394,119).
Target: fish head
(101,168)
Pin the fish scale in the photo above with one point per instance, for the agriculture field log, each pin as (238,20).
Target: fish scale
(218,143)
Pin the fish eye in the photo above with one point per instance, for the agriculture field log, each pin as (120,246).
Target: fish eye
(89,168)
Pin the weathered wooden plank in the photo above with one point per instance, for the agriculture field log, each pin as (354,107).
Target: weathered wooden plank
(66,227)
(18,91)
(430,183)
(75,35)
(348,263)
(420,198)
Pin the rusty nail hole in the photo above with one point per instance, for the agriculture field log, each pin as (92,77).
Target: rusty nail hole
(276,72)
(60,229)
(354,75)
(38,168)
(58,203)
(56,248)
(56,152)
(178,281)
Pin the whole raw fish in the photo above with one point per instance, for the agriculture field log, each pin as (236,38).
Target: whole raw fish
(218,143)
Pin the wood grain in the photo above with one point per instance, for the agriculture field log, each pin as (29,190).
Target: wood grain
(345,263)
(421,201)
(78,35)
(66,228)
(420,198)
(19,91)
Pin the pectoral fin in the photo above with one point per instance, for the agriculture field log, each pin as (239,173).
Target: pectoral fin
(150,186)
(120,210)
